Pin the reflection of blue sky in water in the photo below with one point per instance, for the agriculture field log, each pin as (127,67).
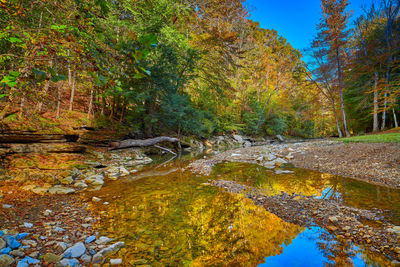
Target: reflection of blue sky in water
(303,251)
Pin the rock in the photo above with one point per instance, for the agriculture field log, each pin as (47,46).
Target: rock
(27,261)
(75,251)
(80,185)
(279,161)
(115,261)
(60,190)
(11,242)
(333,219)
(90,239)
(6,260)
(6,250)
(7,206)
(59,229)
(269,165)
(332,228)
(61,246)
(103,240)
(21,236)
(247,144)
(123,171)
(66,180)
(280,138)
(269,157)
(68,263)
(238,138)
(99,257)
(18,253)
(96,199)
(51,258)
(283,172)
(95,179)
(2,243)
(47,213)
(28,225)
(1,233)
(31,243)
(34,254)
(86,258)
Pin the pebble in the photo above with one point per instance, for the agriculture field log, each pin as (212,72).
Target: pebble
(59,229)
(68,263)
(90,239)
(7,206)
(51,258)
(28,225)
(96,199)
(115,261)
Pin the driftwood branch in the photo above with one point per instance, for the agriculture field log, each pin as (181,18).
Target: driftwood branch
(166,149)
(141,143)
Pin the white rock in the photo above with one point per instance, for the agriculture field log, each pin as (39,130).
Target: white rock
(96,199)
(103,240)
(115,261)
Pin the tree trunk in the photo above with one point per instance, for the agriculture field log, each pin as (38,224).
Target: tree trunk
(71,101)
(90,103)
(376,105)
(336,118)
(141,143)
(58,100)
(44,92)
(396,124)
(339,67)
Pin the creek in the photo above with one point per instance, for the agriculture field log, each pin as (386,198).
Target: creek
(168,216)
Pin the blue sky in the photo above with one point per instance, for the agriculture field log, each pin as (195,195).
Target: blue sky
(295,20)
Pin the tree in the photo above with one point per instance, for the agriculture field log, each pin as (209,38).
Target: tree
(331,40)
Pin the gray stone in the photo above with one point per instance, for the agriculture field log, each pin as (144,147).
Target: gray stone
(28,225)
(17,253)
(280,138)
(238,138)
(86,258)
(2,243)
(60,190)
(116,261)
(68,263)
(80,185)
(7,206)
(103,240)
(75,251)
(6,260)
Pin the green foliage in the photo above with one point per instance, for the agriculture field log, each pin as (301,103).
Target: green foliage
(377,138)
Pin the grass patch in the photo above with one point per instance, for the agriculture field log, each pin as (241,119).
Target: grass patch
(376,138)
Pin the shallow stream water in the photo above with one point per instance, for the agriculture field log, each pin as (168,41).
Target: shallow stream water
(170,217)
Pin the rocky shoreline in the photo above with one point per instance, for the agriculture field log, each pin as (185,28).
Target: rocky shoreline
(346,223)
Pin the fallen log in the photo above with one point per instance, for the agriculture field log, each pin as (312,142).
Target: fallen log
(141,143)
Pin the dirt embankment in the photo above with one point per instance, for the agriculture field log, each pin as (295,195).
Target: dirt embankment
(377,163)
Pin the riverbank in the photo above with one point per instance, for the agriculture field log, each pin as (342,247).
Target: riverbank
(377,163)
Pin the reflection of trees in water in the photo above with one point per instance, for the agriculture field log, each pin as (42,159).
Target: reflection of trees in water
(173,220)
(345,191)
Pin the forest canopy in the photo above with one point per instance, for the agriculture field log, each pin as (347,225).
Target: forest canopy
(198,67)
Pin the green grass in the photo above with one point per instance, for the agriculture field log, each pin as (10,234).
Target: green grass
(376,138)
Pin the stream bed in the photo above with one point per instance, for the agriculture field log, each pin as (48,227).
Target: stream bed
(168,216)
